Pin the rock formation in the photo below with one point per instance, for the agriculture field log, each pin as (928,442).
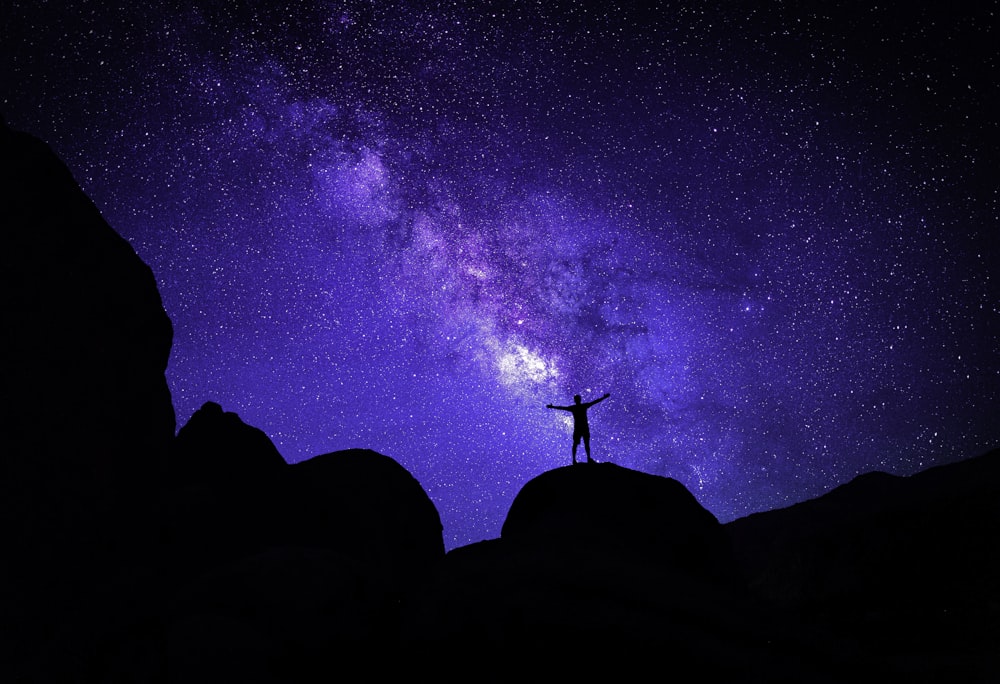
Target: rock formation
(620,512)
(292,569)
(595,562)
(131,555)
(86,415)
(216,446)
(901,568)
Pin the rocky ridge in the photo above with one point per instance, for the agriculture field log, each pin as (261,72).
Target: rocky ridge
(137,555)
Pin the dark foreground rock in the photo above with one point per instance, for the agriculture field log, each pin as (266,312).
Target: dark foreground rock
(619,512)
(608,572)
(604,571)
(901,569)
(232,495)
(86,415)
(336,546)
(130,555)
(215,446)
(133,556)
(288,572)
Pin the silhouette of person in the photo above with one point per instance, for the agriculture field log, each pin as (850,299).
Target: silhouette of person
(581,430)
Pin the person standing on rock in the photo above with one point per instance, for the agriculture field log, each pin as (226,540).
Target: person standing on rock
(581,430)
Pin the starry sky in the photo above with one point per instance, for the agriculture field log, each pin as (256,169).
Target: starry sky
(770,233)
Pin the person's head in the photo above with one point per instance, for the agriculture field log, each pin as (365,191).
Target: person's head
(577,398)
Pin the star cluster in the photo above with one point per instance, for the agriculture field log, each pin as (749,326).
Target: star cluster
(769,234)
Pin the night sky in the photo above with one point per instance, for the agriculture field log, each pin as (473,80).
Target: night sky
(770,234)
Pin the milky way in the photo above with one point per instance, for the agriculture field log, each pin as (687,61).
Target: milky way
(770,235)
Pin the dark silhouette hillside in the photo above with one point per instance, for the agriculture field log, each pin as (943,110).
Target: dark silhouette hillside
(902,566)
(295,570)
(86,416)
(134,555)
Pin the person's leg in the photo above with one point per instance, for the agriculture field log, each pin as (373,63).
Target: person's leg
(586,445)
(576,443)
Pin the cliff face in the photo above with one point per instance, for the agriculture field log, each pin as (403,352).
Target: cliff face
(86,339)
(86,416)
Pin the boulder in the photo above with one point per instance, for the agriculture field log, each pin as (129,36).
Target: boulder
(367,506)
(226,481)
(620,511)
(600,571)
(233,495)
(215,446)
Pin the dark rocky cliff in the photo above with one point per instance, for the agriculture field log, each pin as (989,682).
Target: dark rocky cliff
(901,567)
(132,555)
(86,417)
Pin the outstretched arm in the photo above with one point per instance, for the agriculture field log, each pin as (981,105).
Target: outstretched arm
(599,400)
(561,408)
